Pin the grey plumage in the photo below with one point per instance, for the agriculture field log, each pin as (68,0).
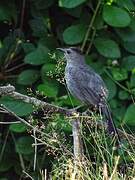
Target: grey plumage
(85,84)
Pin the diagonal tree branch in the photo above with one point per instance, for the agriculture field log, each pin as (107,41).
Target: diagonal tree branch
(10,91)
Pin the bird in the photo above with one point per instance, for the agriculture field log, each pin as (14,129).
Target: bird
(86,85)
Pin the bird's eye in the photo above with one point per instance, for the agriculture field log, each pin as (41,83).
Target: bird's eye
(68,51)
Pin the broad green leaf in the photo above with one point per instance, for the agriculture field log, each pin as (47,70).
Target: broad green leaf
(75,12)
(107,47)
(123,95)
(126,34)
(28,77)
(74,34)
(38,26)
(48,69)
(113,103)
(118,113)
(128,62)
(18,128)
(71,3)
(111,86)
(119,74)
(24,145)
(129,46)
(38,57)
(132,24)
(49,88)
(132,80)
(127,4)
(69,100)
(129,117)
(28,47)
(115,16)
(18,107)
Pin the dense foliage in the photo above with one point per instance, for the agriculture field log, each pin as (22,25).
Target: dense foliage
(30,32)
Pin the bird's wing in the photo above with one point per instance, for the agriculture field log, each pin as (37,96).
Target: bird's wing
(91,85)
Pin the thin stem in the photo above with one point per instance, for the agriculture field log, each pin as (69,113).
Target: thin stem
(90,25)
(22,14)
(35,149)
(7,123)
(91,42)
(14,68)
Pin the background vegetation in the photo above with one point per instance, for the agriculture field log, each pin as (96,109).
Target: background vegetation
(30,32)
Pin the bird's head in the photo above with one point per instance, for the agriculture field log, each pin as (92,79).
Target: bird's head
(73,55)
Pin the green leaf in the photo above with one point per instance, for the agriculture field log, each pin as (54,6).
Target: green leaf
(46,68)
(74,34)
(132,24)
(69,100)
(28,77)
(128,62)
(123,95)
(75,12)
(38,57)
(129,46)
(28,47)
(107,47)
(71,3)
(129,117)
(18,128)
(127,4)
(49,89)
(24,145)
(126,34)
(38,26)
(18,107)
(115,16)
(111,86)
(132,80)
(119,74)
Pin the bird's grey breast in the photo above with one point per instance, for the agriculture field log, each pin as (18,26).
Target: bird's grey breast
(72,78)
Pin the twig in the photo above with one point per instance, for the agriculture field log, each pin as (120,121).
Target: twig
(91,42)
(27,175)
(90,25)
(22,14)
(4,145)
(14,122)
(35,149)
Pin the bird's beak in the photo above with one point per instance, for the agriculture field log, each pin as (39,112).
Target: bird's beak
(62,49)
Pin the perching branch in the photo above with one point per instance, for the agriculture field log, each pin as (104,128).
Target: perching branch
(10,91)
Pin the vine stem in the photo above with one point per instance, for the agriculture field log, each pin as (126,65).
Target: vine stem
(91,42)
(90,25)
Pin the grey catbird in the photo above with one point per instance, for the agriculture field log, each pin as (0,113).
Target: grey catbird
(85,84)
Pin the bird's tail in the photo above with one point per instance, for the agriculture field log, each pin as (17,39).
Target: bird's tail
(110,123)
